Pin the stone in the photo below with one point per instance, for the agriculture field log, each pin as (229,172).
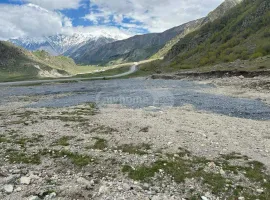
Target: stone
(241,198)
(260,190)
(25,180)
(27,123)
(85,183)
(50,196)
(18,189)
(34,198)
(241,77)
(11,179)
(8,188)
(103,190)
(126,186)
(222,172)
(146,186)
(204,198)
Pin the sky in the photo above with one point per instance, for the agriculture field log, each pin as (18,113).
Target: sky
(36,18)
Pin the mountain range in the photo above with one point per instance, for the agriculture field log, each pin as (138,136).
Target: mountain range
(89,49)
(237,29)
(65,43)
(141,47)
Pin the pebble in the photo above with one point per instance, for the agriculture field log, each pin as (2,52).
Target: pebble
(103,190)
(260,190)
(18,189)
(50,196)
(85,182)
(25,180)
(126,186)
(204,198)
(27,123)
(8,188)
(222,172)
(34,198)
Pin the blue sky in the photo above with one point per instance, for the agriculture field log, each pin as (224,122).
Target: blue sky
(20,18)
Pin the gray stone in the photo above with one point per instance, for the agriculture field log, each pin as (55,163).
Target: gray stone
(103,190)
(27,123)
(204,198)
(8,188)
(34,198)
(25,180)
(50,196)
(126,186)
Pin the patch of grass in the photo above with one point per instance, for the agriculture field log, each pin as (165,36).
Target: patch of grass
(3,140)
(75,158)
(22,141)
(100,144)
(140,149)
(21,157)
(89,110)
(181,169)
(66,118)
(233,155)
(63,141)
(103,130)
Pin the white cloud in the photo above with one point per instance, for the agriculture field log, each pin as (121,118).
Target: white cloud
(56,4)
(155,15)
(43,18)
(30,20)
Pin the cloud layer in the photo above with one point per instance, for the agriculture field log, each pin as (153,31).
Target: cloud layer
(48,17)
(56,4)
(29,20)
(153,15)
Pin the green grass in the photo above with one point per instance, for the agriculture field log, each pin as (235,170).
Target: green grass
(109,72)
(140,149)
(180,169)
(100,144)
(77,159)
(63,141)
(18,157)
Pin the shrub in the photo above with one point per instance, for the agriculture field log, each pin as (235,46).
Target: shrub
(256,55)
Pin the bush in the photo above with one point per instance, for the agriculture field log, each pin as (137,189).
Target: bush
(266,48)
(256,55)
(266,34)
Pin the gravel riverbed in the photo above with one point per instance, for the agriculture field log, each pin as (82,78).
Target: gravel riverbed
(136,139)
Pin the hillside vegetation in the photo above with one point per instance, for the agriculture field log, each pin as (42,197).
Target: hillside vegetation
(243,33)
(197,24)
(17,63)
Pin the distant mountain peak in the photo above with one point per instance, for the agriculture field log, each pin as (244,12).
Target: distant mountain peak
(61,43)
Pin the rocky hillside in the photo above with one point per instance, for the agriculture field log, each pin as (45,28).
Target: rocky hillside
(90,45)
(192,26)
(243,33)
(18,63)
(142,47)
(132,49)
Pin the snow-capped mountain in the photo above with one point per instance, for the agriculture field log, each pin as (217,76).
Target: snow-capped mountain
(61,43)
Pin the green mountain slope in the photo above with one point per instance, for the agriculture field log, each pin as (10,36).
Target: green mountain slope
(243,33)
(215,14)
(17,63)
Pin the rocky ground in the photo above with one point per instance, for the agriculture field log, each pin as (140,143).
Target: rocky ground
(112,152)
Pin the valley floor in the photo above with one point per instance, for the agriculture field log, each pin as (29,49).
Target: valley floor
(114,152)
